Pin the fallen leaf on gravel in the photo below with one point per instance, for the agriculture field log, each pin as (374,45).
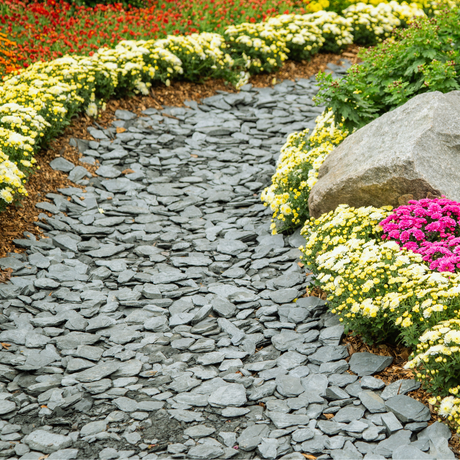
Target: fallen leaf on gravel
(127,171)
(5,275)
(311,457)
(120,129)
(329,416)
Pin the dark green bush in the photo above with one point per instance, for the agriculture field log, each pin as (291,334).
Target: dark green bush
(424,57)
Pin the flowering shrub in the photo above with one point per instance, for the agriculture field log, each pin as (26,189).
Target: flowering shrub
(429,227)
(437,358)
(8,56)
(160,63)
(448,407)
(434,7)
(372,24)
(11,181)
(200,54)
(374,284)
(297,172)
(48,29)
(302,37)
(336,30)
(261,46)
(429,7)
(336,227)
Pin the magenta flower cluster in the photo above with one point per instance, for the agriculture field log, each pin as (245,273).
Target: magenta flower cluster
(430,227)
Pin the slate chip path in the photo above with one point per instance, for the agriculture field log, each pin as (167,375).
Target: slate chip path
(158,318)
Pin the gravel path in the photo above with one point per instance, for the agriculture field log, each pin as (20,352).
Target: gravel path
(157,320)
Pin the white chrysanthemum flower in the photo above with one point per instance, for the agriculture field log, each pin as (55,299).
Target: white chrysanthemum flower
(91,110)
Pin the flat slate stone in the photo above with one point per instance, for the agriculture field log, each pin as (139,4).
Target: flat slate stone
(61,164)
(410,453)
(349,413)
(97,372)
(399,387)
(407,409)
(47,442)
(228,395)
(372,402)
(368,363)
(250,437)
(282,420)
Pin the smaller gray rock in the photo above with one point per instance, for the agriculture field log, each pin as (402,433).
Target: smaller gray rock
(47,441)
(251,436)
(435,431)
(407,409)
(199,431)
(391,423)
(6,406)
(399,387)
(61,164)
(282,420)
(303,434)
(289,386)
(205,451)
(223,307)
(371,383)
(372,402)
(268,448)
(349,413)
(93,428)
(410,453)
(228,395)
(284,295)
(368,363)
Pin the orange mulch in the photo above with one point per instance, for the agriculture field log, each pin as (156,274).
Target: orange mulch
(18,219)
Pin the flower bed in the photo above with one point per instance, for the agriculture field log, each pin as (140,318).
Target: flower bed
(49,30)
(420,59)
(385,292)
(297,172)
(430,228)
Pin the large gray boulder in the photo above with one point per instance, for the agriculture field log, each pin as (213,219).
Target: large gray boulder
(409,153)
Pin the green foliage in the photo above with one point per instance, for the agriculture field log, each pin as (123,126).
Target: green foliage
(425,57)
